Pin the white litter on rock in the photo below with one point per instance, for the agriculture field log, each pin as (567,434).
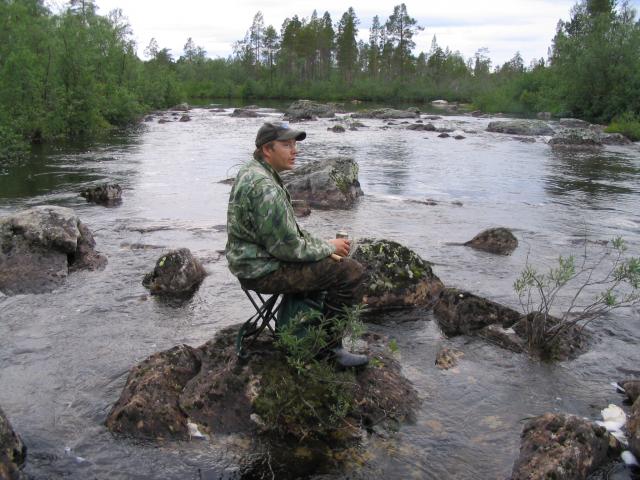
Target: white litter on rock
(613,418)
(629,459)
(194,432)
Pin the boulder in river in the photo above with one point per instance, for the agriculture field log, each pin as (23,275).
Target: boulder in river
(244,113)
(176,273)
(185,118)
(337,129)
(41,246)
(182,107)
(561,446)
(13,453)
(309,110)
(107,194)
(211,387)
(543,115)
(573,123)
(426,127)
(520,127)
(459,312)
(576,138)
(331,183)
(397,276)
(386,114)
(494,240)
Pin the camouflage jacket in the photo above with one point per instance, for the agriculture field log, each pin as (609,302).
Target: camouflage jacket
(261,226)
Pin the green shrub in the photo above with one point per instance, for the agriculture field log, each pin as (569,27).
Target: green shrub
(12,146)
(628,124)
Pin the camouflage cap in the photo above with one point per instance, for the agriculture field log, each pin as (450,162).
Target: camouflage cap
(277,131)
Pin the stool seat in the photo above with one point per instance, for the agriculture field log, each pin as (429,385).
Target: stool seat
(278,308)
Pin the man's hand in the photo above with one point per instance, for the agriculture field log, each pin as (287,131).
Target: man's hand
(343,245)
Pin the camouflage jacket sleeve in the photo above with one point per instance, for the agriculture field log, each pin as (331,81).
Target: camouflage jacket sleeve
(277,230)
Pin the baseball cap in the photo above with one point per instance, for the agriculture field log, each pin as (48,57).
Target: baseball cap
(277,131)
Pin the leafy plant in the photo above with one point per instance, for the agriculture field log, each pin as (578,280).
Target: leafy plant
(306,396)
(614,278)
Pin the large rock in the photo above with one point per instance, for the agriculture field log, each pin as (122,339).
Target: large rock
(308,110)
(520,127)
(397,276)
(576,138)
(573,123)
(560,446)
(426,127)
(41,246)
(331,183)
(212,387)
(177,272)
(13,453)
(107,194)
(387,113)
(494,240)
(463,313)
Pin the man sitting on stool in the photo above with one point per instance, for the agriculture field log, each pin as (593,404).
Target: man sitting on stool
(268,251)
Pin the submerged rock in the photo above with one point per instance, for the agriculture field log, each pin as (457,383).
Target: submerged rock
(428,127)
(447,358)
(40,246)
(397,276)
(211,387)
(13,453)
(520,127)
(309,110)
(494,240)
(107,194)
(337,129)
(244,113)
(331,183)
(386,113)
(560,446)
(185,118)
(459,312)
(176,273)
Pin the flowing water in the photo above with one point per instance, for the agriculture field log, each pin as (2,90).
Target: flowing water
(64,356)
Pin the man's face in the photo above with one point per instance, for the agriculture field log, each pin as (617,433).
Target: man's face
(282,156)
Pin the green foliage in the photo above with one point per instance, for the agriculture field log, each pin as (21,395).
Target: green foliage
(611,281)
(307,397)
(628,124)
(12,146)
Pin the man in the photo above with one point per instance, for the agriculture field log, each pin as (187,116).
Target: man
(268,251)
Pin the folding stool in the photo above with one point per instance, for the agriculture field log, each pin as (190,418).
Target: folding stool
(266,311)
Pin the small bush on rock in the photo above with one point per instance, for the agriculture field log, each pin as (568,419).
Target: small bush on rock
(611,279)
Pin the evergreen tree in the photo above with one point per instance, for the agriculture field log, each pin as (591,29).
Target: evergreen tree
(400,31)
(346,45)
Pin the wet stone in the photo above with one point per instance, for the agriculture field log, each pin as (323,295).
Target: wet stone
(447,358)
(176,273)
(463,313)
(107,194)
(494,240)
(560,446)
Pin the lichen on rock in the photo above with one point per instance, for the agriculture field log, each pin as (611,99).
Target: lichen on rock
(397,276)
(330,183)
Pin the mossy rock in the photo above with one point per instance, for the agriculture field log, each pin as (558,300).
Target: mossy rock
(398,277)
(261,395)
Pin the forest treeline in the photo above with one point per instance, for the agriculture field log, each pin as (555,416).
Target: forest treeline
(75,73)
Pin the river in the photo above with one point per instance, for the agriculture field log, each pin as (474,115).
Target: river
(64,356)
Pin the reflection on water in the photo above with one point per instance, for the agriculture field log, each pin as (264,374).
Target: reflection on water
(65,355)
(596,173)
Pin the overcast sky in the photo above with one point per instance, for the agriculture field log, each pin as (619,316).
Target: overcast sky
(502,26)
